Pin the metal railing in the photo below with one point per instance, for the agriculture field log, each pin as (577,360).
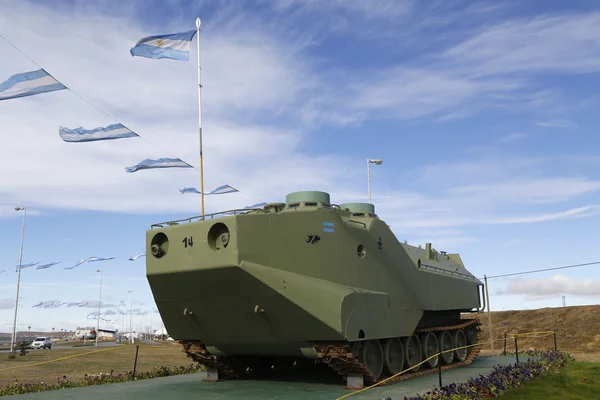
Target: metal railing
(237,211)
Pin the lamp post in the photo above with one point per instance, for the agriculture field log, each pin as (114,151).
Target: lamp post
(369,162)
(151,328)
(12,340)
(131,317)
(99,305)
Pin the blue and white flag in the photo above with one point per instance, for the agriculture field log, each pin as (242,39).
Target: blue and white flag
(136,257)
(92,259)
(220,190)
(160,163)
(189,190)
(26,265)
(44,266)
(259,205)
(110,132)
(29,84)
(223,189)
(76,265)
(175,46)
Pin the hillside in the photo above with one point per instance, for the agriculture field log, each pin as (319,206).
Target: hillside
(578,328)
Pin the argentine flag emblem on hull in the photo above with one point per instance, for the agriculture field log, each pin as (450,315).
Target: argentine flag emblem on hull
(175,46)
(29,84)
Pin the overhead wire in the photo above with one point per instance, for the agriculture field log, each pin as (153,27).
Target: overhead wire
(115,120)
(543,270)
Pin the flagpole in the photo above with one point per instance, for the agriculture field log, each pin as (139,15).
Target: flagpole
(200,117)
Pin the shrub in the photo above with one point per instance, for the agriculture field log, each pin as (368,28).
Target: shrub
(502,378)
(63,382)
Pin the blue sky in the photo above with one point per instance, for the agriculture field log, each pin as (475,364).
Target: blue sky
(483,113)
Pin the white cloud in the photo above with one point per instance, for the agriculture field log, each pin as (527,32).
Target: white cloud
(557,123)
(7,304)
(156,98)
(546,43)
(247,70)
(535,289)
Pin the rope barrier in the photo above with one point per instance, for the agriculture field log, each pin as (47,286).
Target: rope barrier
(545,334)
(59,359)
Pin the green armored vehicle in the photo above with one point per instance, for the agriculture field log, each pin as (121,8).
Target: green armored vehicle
(307,280)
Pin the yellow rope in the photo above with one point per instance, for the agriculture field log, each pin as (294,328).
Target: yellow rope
(546,333)
(59,359)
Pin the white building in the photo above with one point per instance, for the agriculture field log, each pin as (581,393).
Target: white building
(107,334)
(82,332)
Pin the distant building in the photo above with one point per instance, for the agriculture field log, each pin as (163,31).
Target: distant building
(106,334)
(84,332)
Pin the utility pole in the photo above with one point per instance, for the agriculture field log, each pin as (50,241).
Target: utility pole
(487,296)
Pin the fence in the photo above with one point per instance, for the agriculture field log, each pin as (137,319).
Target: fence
(137,348)
(439,367)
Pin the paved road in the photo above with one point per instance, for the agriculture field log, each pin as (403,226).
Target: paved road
(184,387)
(66,346)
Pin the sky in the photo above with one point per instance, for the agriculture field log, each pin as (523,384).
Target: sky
(483,115)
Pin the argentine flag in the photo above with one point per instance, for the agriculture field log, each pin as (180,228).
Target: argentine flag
(175,46)
(29,84)
(160,163)
(220,190)
(114,131)
(223,189)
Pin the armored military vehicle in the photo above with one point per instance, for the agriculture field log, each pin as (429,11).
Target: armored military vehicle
(310,280)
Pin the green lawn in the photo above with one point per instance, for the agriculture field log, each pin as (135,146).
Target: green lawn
(578,380)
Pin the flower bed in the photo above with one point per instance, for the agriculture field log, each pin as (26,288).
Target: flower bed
(89,380)
(502,378)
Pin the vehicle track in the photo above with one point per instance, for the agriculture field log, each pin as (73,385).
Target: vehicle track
(337,356)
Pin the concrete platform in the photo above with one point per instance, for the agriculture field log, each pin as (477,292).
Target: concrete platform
(184,387)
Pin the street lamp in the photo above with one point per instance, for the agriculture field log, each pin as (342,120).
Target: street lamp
(99,304)
(369,162)
(131,317)
(12,340)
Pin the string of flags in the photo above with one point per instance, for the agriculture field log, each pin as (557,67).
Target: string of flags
(220,190)
(174,46)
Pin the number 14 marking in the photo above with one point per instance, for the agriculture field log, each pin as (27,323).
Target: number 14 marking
(188,242)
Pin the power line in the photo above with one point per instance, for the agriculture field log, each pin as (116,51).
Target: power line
(109,116)
(545,269)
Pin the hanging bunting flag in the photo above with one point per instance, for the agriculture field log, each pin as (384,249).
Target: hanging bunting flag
(189,190)
(26,265)
(160,163)
(29,84)
(136,257)
(44,266)
(223,189)
(49,304)
(259,205)
(175,46)
(76,265)
(220,190)
(110,132)
(92,259)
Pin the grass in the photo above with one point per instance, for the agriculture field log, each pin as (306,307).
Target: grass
(120,359)
(577,381)
(578,328)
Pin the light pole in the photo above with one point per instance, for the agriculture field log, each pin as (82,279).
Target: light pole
(369,162)
(99,305)
(12,340)
(131,317)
